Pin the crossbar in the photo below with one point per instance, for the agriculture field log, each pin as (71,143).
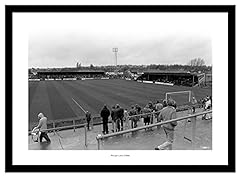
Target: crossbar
(188,91)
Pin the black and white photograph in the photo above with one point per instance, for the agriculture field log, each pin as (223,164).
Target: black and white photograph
(100,81)
(122,84)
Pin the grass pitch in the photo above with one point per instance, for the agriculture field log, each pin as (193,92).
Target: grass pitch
(55,98)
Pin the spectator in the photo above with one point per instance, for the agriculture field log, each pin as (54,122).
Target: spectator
(133,112)
(210,98)
(207,97)
(139,111)
(126,119)
(168,113)
(88,117)
(207,106)
(158,108)
(114,118)
(151,107)
(202,101)
(164,103)
(138,108)
(42,126)
(146,118)
(194,102)
(105,113)
(120,115)
(174,104)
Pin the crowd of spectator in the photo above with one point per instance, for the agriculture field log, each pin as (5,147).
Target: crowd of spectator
(207,105)
(122,119)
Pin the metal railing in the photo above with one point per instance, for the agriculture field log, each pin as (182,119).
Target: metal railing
(193,121)
(66,127)
(179,109)
(97,116)
(73,120)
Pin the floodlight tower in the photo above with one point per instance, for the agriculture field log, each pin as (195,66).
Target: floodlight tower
(115,50)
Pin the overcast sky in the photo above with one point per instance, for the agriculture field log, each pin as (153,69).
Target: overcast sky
(62,40)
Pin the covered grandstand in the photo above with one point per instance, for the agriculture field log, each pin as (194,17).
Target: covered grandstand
(44,75)
(175,77)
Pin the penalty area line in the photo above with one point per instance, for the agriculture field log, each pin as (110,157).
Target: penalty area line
(79,106)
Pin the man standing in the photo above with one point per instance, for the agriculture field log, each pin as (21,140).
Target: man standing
(151,107)
(42,126)
(114,117)
(194,102)
(133,112)
(146,118)
(158,108)
(126,119)
(137,118)
(105,113)
(168,113)
(120,115)
(88,117)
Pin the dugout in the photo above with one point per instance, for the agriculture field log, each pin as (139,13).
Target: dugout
(70,74)
(176,77)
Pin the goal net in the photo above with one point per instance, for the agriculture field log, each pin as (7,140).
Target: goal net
(181,97)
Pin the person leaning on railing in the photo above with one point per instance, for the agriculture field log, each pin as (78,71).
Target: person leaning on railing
(151,107)
(168,113)
(146,118)
(133,112)
(42,126)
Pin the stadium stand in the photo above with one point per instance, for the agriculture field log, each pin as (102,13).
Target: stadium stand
(70,75)
(170,77)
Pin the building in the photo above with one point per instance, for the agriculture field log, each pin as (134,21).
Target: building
(175,77)
(70,74)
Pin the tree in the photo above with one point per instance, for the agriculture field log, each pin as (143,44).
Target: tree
(197,62)
(91,66)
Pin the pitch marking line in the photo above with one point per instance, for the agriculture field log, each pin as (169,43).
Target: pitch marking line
(79,106)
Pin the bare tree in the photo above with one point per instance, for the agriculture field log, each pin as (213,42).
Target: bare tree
(197,62)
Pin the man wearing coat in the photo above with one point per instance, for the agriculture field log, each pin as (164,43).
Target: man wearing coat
(168,113)
(105,113)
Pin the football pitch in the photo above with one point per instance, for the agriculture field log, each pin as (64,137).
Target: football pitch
(63,99)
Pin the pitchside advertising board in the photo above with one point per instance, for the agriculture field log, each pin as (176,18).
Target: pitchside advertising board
(33,79)
(159,83)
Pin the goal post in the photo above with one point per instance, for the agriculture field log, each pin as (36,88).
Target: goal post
(181,97)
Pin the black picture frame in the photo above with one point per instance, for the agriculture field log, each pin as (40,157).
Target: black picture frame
(10,9)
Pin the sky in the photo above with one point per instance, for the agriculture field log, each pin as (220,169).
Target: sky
(63,39)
